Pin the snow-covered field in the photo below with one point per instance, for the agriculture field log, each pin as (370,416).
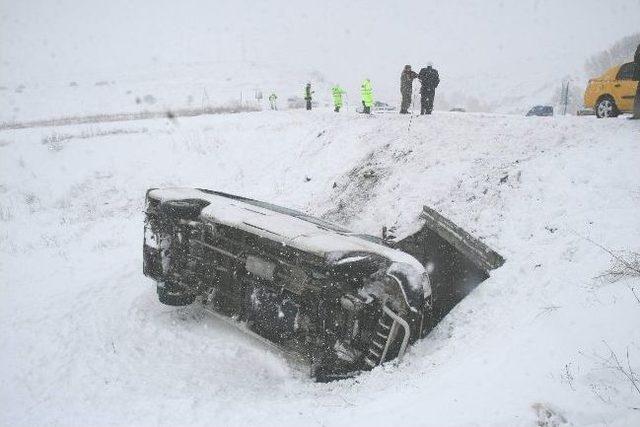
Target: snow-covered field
(85,341)
(73,58)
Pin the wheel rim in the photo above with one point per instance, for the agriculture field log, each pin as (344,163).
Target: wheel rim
(605,108)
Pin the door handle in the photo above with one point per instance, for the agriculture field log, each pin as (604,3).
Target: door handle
(617,85)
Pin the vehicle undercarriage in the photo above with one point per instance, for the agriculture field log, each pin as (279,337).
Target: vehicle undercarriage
(342,311)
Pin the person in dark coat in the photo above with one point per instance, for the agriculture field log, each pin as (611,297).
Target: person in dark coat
(429,80)
(308,94)
(636,76)
(406,86)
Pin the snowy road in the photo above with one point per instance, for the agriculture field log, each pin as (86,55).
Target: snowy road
(85,341)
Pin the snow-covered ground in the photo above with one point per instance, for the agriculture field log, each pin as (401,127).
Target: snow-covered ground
(85,341)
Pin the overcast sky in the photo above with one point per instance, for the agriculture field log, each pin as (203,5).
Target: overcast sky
(344,40)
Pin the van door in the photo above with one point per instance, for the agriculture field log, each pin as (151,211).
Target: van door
(456,261)
(624,87)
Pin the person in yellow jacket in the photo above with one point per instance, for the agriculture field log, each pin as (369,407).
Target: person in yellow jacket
(367,95)
(336,93)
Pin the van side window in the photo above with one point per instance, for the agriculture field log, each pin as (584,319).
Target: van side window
(626,71)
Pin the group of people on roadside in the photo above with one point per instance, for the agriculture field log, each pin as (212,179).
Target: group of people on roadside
(366,93)
(429,81)
(428,77)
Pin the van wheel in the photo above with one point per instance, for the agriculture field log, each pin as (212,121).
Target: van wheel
(606,107)
(170,294)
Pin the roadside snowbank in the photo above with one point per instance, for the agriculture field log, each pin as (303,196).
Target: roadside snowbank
(85,341)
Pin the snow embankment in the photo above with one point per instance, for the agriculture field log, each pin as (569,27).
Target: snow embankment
(85,341)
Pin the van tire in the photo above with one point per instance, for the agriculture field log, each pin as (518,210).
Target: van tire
(170,294)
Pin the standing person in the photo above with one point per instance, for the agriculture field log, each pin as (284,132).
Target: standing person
(429,80)
(336,93)
(272,101)
(367,95)
(636,101)
(406,87)
(307,95)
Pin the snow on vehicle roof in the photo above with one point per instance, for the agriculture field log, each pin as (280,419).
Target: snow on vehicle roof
(290,227)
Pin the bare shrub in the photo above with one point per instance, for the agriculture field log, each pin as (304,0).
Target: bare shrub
(32,201)
(547,417)
(233,107)
(55,138)
(621,366)
(91,133)
(6,213)
(625,264)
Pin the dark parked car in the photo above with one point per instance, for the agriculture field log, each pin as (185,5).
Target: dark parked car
(541,111)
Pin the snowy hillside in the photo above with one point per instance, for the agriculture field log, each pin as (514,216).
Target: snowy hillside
(85,341)
(70,58)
